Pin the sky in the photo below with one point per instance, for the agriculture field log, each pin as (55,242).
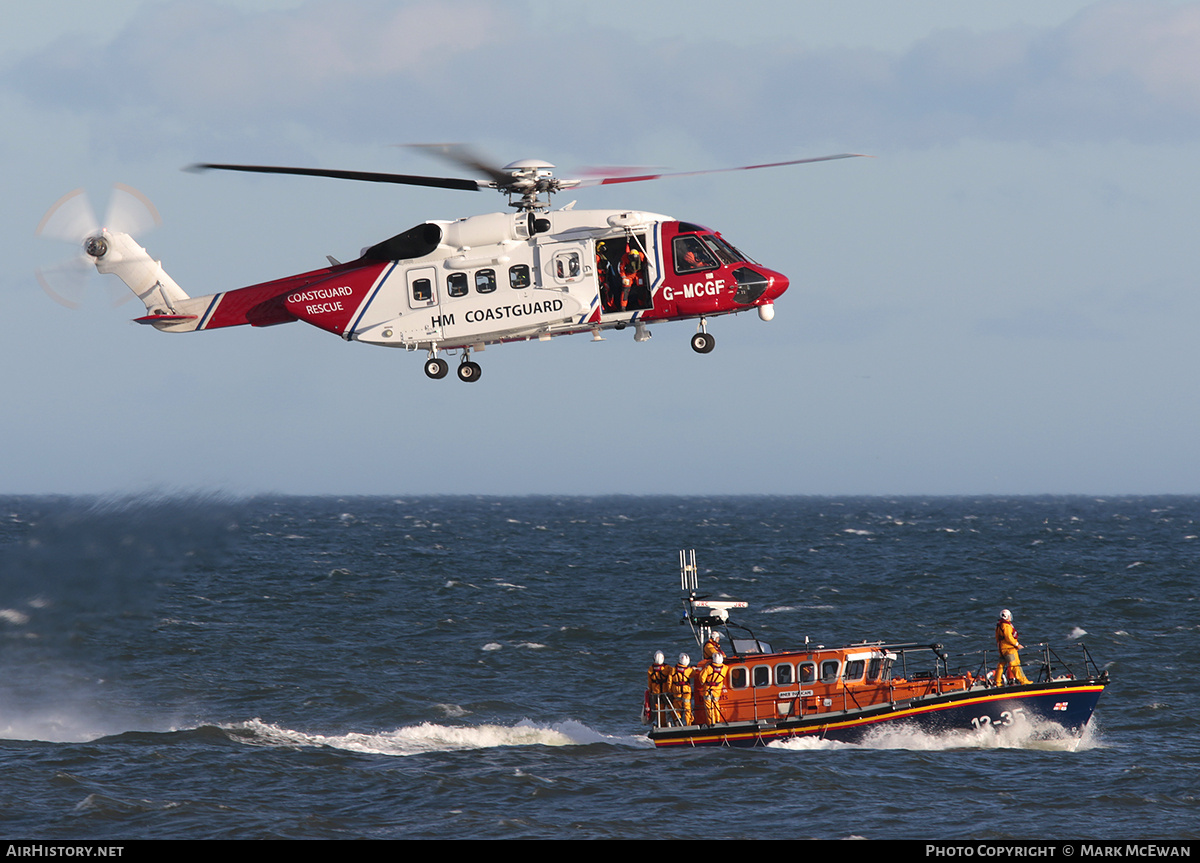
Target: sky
(1002,301)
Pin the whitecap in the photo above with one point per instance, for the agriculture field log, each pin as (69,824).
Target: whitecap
(429,737)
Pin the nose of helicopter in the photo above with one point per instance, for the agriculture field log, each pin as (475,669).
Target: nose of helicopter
(778,284)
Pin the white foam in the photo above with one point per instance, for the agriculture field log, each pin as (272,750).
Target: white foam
(433,737)
(1023,735)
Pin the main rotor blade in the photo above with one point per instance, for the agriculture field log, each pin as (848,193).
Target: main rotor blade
(604,181)
(368,176)
(467,158)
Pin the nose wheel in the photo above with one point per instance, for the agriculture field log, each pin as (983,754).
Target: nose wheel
(703,343)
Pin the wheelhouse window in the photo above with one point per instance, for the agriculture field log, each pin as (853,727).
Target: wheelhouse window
(485,281)
(762,675)
(692,255)
(783,674)
(854,670)
(739,678)
(806,672)
(829,670)
(518,276)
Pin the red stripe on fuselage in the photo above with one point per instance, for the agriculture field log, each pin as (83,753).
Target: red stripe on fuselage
(266,303)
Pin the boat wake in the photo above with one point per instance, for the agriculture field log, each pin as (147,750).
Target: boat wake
(429,737)
(1046,737)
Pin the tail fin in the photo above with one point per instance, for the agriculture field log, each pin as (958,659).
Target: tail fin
(117,253)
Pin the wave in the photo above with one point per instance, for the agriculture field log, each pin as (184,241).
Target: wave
(430,737)
(1045,737)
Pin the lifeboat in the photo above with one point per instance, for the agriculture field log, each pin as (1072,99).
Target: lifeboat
(766,695)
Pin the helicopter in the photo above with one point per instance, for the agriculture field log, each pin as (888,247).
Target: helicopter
(458,286)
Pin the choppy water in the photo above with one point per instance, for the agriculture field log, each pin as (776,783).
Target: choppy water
(473,667)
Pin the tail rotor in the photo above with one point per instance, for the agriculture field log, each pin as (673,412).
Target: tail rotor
(72,219)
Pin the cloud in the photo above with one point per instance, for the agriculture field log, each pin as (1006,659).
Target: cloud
(466,69)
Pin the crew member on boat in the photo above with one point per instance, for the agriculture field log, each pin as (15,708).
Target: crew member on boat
(710,686)
(682,677)
(713,646)
(658,686)
(1008,644)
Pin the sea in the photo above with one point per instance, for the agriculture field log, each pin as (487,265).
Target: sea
(207,667)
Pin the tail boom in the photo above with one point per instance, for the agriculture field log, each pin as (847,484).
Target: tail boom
(170,309)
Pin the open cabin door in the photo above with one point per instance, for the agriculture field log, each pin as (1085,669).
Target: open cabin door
(624,272)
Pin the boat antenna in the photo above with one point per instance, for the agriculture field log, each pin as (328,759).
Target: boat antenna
(687,569)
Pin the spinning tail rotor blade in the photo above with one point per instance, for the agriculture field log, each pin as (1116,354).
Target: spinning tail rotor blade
(130,212)
(72,219)
(66,282)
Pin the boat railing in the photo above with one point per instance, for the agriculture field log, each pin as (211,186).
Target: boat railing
(1054,667)
(1048,662)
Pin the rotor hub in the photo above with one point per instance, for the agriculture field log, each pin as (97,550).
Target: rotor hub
(96,246)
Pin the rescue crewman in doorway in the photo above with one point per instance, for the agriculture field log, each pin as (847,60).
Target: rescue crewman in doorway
(710,686)
(632,265)
(658,685)
(1007,644)
(682,677)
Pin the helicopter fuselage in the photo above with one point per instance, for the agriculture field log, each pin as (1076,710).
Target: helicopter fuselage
(461,285)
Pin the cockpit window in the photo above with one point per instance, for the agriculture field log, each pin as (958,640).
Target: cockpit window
(691,255)
(725,252)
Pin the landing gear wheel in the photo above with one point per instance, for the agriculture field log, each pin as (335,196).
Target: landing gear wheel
(469,372)
(703,343)
(436,368)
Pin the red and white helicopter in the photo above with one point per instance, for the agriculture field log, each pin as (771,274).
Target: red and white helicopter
(456,286)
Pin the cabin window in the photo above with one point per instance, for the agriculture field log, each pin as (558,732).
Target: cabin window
(422,290)
(567,266)
(874,668)
(783,674)
(806,672)
(762,675)
(854,670)
(518,276)
(456,284)
(739,678)
(485,281)
(829,670)
(692,255)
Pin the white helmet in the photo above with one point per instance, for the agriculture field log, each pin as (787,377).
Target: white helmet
(718,659)
(659,659)
(716,636)
(1006,615)
(684,659)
